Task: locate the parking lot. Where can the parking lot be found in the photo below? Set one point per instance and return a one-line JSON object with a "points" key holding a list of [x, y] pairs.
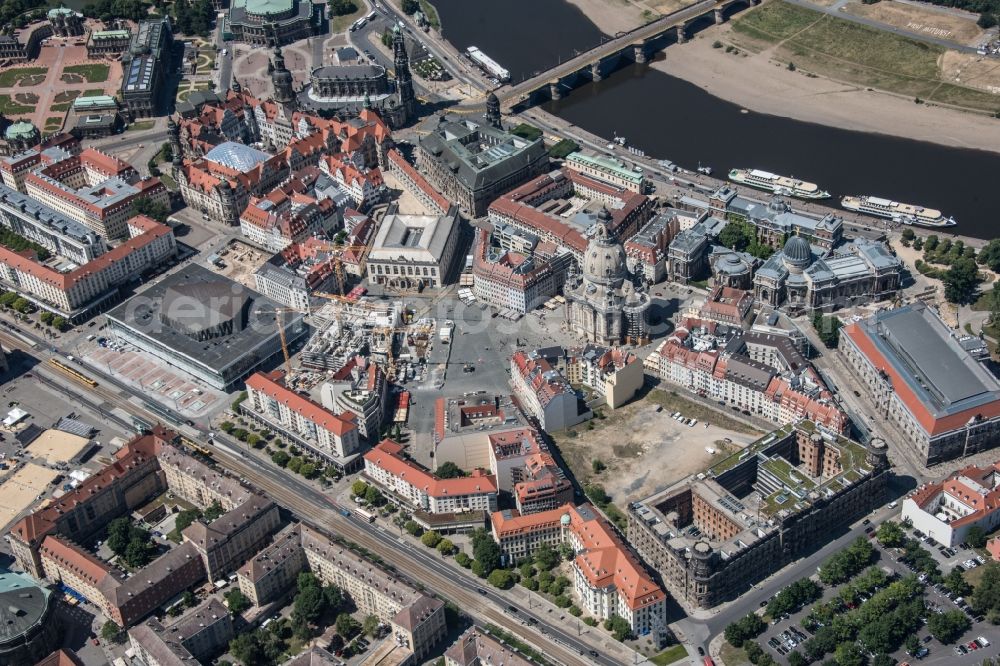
{"points": [[979, 642]]}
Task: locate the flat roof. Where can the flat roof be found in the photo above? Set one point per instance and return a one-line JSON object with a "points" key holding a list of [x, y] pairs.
{"points": [[254, 325]]}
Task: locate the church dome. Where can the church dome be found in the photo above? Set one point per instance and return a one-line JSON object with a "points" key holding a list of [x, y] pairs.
{"points": [[797, 251], [604, 261]]}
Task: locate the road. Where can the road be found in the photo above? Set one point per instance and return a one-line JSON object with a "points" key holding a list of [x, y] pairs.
{"points": [[315, 509]]}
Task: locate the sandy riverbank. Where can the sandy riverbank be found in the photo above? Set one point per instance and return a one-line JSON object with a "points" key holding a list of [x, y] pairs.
{"points": [[756, 83], [610, 16]]}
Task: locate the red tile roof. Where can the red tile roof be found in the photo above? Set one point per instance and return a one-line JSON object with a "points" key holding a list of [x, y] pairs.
{"points": [[387, 455], [270, 385]]}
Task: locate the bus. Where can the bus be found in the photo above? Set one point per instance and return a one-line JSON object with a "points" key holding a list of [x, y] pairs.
{"points": [[366, 515], [71, 373], [360, 23]]}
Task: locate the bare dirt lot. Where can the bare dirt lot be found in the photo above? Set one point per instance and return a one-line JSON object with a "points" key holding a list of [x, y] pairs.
{"points": [[19, 491], [969, 69], [949, 26], [653, 451], [242, 261]]}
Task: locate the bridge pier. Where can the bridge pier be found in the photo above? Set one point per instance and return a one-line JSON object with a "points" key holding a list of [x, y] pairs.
{"points": [[720, 16], [640, 53], [554, 91], [681, 34], [595, 71]]}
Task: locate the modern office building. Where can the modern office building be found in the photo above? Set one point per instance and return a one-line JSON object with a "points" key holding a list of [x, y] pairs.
{"points": [[413, 250], [360, 389], [920, 377], [146, 64], [332, 437], [473, 162], [755, 511], [208, 326], [407, 483]]}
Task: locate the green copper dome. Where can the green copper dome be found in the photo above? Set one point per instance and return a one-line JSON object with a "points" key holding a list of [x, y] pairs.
{"points": [[20, 130]]}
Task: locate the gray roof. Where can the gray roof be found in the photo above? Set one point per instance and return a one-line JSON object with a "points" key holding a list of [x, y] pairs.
{"points": [[52, 219], [348, 72], [23, 604], [425, 235], [142, 315], [237, 156], [925, 353], [479, 154], [215, 534]]}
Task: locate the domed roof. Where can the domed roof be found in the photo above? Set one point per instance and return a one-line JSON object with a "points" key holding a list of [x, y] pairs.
{"points": [[797, 251], [565, 519], [604, 261]]}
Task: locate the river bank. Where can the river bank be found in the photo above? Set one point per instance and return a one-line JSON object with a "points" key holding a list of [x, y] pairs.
{"points": [[758, 84], [610, 16]]}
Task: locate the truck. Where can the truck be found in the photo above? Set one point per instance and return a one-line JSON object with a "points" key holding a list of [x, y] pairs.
{"points": [[365, 515]]}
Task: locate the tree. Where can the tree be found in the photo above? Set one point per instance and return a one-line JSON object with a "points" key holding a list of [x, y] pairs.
{"points": [[370, 625], [334, 597], [346, 625], [257, 648], [413, 528], [342, 7], [253, 439], [430, 539], [189, 599], [598, 465], [890, 534], [738, 235], [746, 628], [449, 470], [119, 535], [8, 298], [146, 206], [619, 627], [485, 550], [59, 323], [139, 552], [796, 659], [986, 597], [976, 537], [111, 632], [596, 493], [22, 305], [46, 318], [500, 578], [308, 470], [956, 583], [280, 458], [374, 497], [295, 464], [237, 601], [214, 511], [185, 518], [849, 654], [309, 604], [446, 547], [828, 329], [908, 234], [948, 626], [961, 281], [359, 488], [463, 559], [409, 7], [546, 557], [912, 644], [989, 256]]}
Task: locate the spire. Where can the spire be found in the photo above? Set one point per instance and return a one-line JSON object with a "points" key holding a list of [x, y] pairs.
{"points": [[404, 83], [367, 106], [237, 88], [281, 79]]}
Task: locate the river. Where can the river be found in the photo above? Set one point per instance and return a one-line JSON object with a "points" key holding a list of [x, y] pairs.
{"points": [[672, 119]]}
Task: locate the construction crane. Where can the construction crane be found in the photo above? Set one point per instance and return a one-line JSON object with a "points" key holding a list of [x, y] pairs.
{"points": [[280, 318], [338, 265]]}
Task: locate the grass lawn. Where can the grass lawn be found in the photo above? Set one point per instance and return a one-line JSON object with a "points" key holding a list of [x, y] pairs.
{"points": [[775, 22], [973, 576], [93, 92], [59, 108], [674, 402], [733, 656], [431, 13], [847, 51], [341, 23], [8, 105], [12, 76], [93, 72], [52, 124], [168, 181], [670, 655], [141, 125]]}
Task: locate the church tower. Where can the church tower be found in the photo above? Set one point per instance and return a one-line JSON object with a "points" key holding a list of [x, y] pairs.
{"points": [[404, 82], [493, 111], [281, 79]]}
